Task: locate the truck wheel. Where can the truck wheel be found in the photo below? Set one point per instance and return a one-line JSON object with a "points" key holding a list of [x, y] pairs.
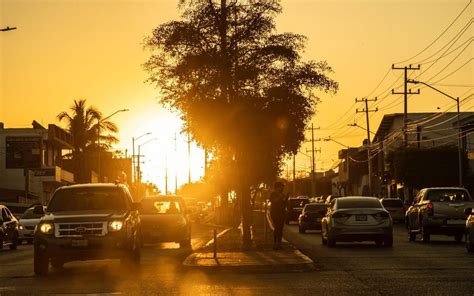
{"points": [[331, 241], [425, 235], [458, 237], [40, 264], [14, 244], [469, 243], [301, 229]]}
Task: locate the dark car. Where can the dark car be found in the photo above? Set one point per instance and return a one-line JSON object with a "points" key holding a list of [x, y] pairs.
{"points": [[311, 216], [8, 229], [164, 218], [87, 222], [294, 207]]}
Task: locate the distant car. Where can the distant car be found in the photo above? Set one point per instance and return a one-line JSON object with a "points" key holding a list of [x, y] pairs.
{"points": [[357, 218], [469, 230], [311, 217], [8, 229], [294, 207], [28, 222], [438, 210], [164, 218], [395, 207]]}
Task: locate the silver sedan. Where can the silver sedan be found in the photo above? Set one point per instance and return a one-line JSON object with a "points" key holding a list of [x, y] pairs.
{"points": [[357, 218]]}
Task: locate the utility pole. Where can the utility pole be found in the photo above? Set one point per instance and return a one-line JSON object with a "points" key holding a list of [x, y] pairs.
{"points": [[369, 160], [313, 164], [175, 171], [405, 94], [166, 175], [294, 174], [189, 158]]}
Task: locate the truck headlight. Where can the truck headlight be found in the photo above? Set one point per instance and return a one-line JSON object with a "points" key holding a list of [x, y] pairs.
{"points": [[20, 227], [46, 228], [115, 225]]}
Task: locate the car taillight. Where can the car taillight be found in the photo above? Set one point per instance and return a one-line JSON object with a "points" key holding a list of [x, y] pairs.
{"points": [[341, 216], [382, 215], [429, 206]]}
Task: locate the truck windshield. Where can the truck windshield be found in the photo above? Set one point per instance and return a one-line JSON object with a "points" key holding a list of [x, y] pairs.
{"points": [[88, 199], [448, 195]]}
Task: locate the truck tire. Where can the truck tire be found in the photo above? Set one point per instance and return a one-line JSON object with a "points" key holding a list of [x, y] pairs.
{"points": [[331, 241], [301, 229], [469, 243], [411, 234], [14, 244], [40, 264], [425, 235]]}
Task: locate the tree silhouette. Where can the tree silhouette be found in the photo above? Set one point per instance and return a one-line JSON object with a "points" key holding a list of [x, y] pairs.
{"points": [[242, 89], [84, 124]]}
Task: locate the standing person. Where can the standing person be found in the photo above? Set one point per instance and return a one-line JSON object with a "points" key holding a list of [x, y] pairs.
{"points": [[277, 213]]}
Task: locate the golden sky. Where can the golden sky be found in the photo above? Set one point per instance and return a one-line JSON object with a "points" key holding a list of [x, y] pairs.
{"points": [[71, 49]]}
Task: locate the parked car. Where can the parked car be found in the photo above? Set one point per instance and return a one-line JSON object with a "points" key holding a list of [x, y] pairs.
{"points": [[438, 210], [28, 222], [311, 217], [294, 207], [164, 219], [357, 218], [395, 207], [87, 222], [8, 229], [17, 209], [469, 230], [330, 198]]}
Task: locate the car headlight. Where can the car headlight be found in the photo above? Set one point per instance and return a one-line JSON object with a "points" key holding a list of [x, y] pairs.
{"points": [[46, 228], [115, 225], [20, 227]]}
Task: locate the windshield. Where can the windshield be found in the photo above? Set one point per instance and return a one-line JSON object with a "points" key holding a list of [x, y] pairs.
{"points": [[358, 203], [392, 203], [88, 199], [29, 214], [154, 207], [315, 207], [448, 195]]}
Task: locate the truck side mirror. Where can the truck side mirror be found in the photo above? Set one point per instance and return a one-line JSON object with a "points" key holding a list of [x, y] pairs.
{"points": [[468, 211]]}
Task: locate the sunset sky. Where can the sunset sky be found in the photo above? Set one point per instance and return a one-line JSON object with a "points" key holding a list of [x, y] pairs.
{"points": [[92, 49]]}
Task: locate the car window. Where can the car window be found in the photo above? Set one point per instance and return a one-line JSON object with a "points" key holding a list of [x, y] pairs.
{"points": [[447, 195], [315, 207], [88, 199], [151, 207], [392, 203], [358, 203], [29, 214]]}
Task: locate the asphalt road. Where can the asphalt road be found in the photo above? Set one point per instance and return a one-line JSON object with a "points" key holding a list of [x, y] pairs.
{"points": [[442, 267]]}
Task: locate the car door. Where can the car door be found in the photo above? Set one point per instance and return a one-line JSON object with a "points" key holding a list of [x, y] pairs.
{"points": [[414, 211]]}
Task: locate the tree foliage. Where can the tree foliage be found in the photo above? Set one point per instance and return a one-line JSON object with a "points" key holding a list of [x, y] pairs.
{"points": [[242, 88], [86, 125]]}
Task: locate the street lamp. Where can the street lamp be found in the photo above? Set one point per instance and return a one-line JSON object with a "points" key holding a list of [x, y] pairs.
{"points": [[133, 154], [139, 174], [459, 124], [98, 138]]}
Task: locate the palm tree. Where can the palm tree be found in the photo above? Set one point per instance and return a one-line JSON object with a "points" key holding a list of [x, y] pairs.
{"points": [[85, 124]]}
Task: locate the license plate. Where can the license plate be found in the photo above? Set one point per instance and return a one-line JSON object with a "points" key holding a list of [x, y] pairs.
{"points": [[79, 243], [455, 222], [361, 217]]}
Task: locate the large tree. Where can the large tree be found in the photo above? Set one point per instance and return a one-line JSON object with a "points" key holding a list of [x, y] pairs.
{"points": [[86, 124], [243, 90]]}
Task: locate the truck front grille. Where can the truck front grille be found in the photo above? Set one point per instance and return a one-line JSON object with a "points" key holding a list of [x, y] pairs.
{"points": [[79, 229]]}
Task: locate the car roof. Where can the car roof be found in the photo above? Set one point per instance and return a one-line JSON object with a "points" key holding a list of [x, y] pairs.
{"points": [[93, 185], [162, 197], [390, 199], [445, 188], [357, 197]]}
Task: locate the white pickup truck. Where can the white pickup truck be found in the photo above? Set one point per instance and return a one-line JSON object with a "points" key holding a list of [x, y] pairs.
{"points": [[438, 210]]}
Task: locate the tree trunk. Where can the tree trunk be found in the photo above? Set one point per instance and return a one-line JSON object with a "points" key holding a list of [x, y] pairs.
{"points": [[246, 215]]}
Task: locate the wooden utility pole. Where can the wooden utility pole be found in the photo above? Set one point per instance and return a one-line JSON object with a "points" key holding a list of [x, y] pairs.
{"points": [[313, 161], [405, 94], [369, 159]]}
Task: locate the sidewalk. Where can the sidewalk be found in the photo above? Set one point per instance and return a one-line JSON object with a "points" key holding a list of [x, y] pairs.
{"points": [[261, 257]]}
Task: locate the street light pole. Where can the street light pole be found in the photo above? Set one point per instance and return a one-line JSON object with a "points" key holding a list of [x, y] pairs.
{"points": [[139, 173], [98, 139], [459, 125], [134, 170]]}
